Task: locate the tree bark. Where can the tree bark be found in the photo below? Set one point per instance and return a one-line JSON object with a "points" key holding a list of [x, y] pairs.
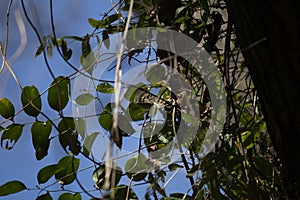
{"points": [[268, 32]]}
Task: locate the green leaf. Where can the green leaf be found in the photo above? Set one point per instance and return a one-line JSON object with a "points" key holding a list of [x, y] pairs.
{"points": [[105, 88], [11, 187], [50, 50], [39, 50], [136, 168], [40, 132], [103, 23], [204, 5], [44, 197], [80, 126], [67, 53], [88, 62], [180, 9], [85, 46], [106, 120], [182, 19], [7, 109], [160, 189], [124, 125], [11, 135], [84, 99], [41, 47], [68, 174], [105, 38], [88, 143], [97, 23], [99, 176], [174, 166], [69, 196], [47, 172], [263, 166], [155, 74], [59, 93], [137, 112], [98, 40], [112, 18], [68, 135], [131, 91], [120, 193], [31, 101], [59, 41]]}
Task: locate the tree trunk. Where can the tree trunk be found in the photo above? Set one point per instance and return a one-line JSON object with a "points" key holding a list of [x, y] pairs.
{"points": [[268, 32]]}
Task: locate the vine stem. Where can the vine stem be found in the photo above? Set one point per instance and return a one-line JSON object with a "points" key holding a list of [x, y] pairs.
{"points": [[117, 88]]}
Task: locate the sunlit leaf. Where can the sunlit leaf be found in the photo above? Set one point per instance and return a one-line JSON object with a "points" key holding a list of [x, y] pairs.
{"points": [[105, 88], [50, 50], [11, 187], [40, 132], [97, 23], [7, 109], [84, 99], [68, 174], [59, 93], [180, 9], [30, 98], [182, 19], [11, 135], [59, 41]]}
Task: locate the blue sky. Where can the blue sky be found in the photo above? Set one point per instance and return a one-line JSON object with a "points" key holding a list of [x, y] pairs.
{"points": [[70, 19]]}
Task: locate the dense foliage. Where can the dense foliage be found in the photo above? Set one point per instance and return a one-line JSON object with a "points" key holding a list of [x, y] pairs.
{"points": [[243, 164]]}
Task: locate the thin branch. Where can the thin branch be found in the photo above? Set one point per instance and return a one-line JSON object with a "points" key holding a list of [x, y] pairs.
{"points": [[39, 38], [6, 35]]}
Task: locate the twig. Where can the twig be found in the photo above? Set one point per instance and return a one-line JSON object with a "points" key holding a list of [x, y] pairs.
{"points": [[6, 35]]}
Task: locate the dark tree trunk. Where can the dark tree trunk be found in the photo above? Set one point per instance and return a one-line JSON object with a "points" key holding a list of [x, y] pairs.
{"points": [[269, 35]]}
